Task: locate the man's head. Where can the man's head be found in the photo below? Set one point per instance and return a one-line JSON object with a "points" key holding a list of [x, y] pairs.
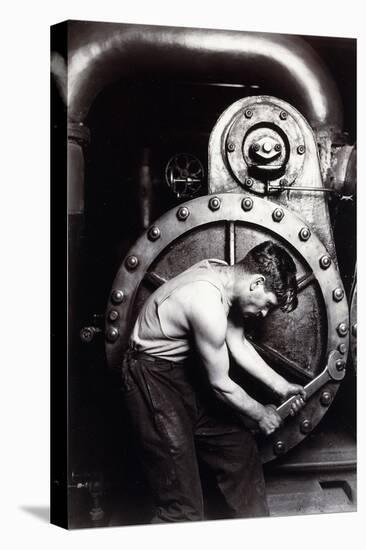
{"points": [[265, 278]]}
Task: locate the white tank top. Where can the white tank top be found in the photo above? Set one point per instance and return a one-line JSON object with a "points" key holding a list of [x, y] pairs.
{"points": [[148, 336]]}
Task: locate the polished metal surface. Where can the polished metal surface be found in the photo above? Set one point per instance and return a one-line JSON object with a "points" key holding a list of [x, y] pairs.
{"points": [[100, 54], [291, 177]]}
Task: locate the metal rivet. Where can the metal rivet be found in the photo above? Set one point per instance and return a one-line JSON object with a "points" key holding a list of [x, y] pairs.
{"points": [[267, 147], [340, 365], [338, 294], [354, 329], [183, 213], [249, 182], [247, 204], [306, 426], [342, 329], [304, 233], [117, 296], [279, 448], [283, 182], [326, 398], [278, 147], [87, 334], [113, 315], [231, 146], [248, 113], [325, 262], [342, 348], [112, 334], [278, 214], [283, 115], [256, 147], [132, 262], [154, 233], [214, 203], [301, 149]]}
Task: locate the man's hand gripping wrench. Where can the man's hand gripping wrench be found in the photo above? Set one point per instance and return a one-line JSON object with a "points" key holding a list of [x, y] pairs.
{"points": [[334, 370]]}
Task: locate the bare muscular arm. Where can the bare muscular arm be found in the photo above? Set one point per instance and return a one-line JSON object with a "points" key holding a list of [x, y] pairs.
{"points": [[209, 325], [247, 357]]}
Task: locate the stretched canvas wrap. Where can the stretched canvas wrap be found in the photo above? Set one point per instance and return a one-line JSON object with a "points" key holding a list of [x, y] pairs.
{"points": [[171, 146]]}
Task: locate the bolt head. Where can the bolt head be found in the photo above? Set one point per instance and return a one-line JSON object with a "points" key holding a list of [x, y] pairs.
{"points": [[340, 365], [113, 315], [117, 296], [214, 203], [248, 113], [256, 147], [86, 335], [325, 262], [132, 262], [267, 147], [278, 214], [342, 348], [304, 233], [326, 398], [283, 115], [301, 149], [283, 182], [183, 213], [342, 329], [154, 233], [231, 146], [338, 294], [306, 426], [277, 147], [247, 204], [112, 334], [279, 448], [249, 182]]}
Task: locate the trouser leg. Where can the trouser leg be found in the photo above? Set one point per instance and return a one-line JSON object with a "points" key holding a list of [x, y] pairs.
{"points": [[161, 412], [232, 459]]}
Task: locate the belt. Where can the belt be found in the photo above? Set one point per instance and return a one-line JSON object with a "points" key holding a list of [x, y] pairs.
{"points": [[135, 354]]}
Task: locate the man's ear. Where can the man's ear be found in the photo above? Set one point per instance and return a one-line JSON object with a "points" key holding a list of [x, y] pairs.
{"points": [[257, 281]]}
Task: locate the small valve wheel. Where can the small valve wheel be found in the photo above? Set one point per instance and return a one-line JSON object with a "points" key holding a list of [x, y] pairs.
{"points": [[184, 175]]}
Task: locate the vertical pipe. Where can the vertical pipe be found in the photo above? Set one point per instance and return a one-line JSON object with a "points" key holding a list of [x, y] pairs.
{"points": [[145, 188]]}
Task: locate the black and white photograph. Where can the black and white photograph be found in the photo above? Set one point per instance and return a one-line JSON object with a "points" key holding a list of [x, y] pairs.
{"points": [[182, 240], [212, 281]]}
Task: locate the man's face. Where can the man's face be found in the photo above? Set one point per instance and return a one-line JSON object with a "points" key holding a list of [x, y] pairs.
{"points": [[255, 301]]}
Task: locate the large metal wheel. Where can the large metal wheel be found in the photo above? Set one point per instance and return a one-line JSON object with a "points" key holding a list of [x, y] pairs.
{"points": [[226, 226]]}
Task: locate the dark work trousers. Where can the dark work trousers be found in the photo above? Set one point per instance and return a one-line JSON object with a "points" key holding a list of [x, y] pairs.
{"points": [[178, 423]]}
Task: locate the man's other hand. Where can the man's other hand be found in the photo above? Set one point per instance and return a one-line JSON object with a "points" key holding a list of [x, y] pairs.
{"points": [[270, 420]]}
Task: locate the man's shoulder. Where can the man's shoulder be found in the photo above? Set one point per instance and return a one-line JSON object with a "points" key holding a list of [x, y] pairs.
{"points": [[199, 291]]}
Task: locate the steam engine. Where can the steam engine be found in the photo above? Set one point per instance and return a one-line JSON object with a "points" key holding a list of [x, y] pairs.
{"points": [[185, 144]]}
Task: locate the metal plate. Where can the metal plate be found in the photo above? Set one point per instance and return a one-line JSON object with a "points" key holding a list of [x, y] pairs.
{"points": [[278, 121], [194, 231]]}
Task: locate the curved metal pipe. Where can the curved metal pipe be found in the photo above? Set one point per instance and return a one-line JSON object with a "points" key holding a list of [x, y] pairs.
{"points": [[102, 53]]}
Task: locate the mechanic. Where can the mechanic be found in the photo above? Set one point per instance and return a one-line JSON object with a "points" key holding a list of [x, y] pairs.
{"points": [[187, 413]]}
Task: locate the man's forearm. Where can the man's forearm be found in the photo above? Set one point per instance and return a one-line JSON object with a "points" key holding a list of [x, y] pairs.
{"points": [[234, 396], [247, 358]]}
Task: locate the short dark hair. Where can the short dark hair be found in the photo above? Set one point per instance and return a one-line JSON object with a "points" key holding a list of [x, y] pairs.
{"points": [[276, 265]]}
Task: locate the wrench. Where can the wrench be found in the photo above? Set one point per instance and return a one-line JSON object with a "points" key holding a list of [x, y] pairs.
{"points": [[334, 370]]}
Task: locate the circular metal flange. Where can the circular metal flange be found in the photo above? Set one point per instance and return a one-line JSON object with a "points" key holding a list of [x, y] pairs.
{"points": [[265, 127], [259, 216], [353, 325]]}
